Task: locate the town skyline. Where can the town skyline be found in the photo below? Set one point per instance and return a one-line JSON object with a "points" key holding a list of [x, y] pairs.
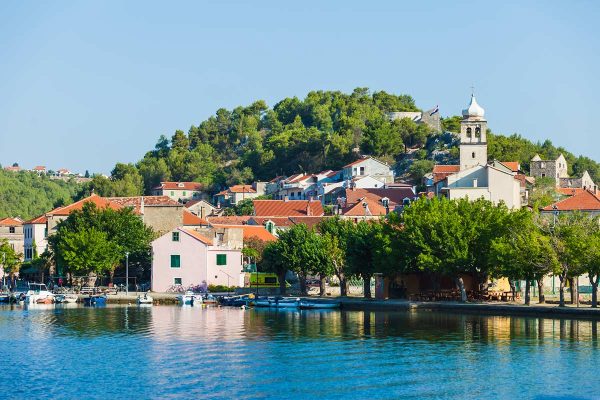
{"points": [[75, 82]]}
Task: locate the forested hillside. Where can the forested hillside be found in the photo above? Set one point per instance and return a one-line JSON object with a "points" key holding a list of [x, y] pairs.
{"points": [[325, 130], [27, 195]]}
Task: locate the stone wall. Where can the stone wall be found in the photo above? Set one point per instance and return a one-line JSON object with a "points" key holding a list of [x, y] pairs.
{"points": [[163, 218]]}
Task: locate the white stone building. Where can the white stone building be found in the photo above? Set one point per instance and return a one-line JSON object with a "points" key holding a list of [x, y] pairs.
{"points": [[475, 178], [368, 166], [35, 234]]}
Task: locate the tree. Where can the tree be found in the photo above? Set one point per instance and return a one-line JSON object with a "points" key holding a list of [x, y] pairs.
{"points": [[362, 252], [273, 261], [336, 232], [419, 168], [88, 250], [10, 259], [123, 229]]}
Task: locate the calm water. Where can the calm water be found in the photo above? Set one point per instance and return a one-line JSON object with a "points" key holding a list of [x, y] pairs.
{"points": [[176, 352]]}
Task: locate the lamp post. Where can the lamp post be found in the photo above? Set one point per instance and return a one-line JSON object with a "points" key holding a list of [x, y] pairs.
{"points": [[127, 273]]}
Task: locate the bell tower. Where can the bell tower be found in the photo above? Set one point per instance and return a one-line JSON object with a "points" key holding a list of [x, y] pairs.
{"points": [[473, 137]]}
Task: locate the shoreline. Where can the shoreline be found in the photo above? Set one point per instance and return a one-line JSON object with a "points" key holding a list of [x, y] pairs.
{"points": [[362, 304]]}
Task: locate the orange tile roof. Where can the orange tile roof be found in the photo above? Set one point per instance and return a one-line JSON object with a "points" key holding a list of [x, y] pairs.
{"points": [[100, 202], [289, 221], [9, 221], [39, 168], [229, 220], [569, 191], [176, 186], [374, 208], [582, 201], [197, 235], [42, 219], [287, 208], [395, 195], [252, 231], [512, 165], [190, 219], [13, 169], [241, 189], [440, 172]]}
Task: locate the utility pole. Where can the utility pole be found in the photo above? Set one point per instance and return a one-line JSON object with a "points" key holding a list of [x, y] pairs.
{"points": [[127, 273]]}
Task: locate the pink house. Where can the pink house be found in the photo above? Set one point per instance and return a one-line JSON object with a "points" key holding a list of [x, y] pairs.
{"points": [[186, 257]]}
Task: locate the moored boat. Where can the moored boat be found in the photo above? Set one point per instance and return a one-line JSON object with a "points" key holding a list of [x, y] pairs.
{"points": [[95, 300], [36, 292], [189, 298], [65, 298], [316, 305], [145, 299], [277, 302]]}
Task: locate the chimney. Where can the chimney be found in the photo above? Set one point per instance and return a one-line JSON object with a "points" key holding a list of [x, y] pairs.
{"points": [[475, 182], [285, 198], [308, 209]]}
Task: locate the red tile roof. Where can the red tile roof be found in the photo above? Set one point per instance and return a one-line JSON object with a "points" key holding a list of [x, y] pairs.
{"points": [[190, 219], [149, 201], [100, 202], [569, 191], [252, 231], [288, 208], [440, 172], [373, 208], [289, 221], [395, 195], [229, 220], [241, 189], [39, 168], [196, 235], [13, 169], [9, 221], [42, 219], [179, 186], [583, 201]]}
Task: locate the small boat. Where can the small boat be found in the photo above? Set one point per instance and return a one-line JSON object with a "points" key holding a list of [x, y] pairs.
{"points": [[145, 299], [315, 305], [4, 298], [189, 298], [65, 298], [94, 300], [277, 302], [38, 291]]}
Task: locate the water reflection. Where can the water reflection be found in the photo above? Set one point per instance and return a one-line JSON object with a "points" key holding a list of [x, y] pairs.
{"points": [[187, 352]]}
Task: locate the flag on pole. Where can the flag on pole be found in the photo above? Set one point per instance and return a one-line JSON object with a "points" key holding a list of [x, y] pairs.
{"points": [[435, 111]]}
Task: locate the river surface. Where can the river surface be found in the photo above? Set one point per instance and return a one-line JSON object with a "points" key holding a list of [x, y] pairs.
{"points": [[129, 352]]}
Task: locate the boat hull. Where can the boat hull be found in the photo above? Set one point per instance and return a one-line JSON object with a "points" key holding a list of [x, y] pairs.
{"points": [[318, 306], [94, 301]]}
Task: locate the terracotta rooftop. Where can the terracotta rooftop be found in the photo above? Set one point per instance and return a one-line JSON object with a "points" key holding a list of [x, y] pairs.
{"points": [[39, 168], [10, 221], [289, 221], [241, 189], [288, 208], [358, 209], [179, 186], [569, 191], [440, 172], [100, 202], [196, 235], [190, 219], [229, 220], [42, 219], [149, 201], [512, 165], [13, 169], [252, 231], [583, 201], [395, 195]]}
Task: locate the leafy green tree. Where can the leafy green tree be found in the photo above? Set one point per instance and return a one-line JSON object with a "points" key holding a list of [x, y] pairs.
{"points": [[10, 259], [272, 261], [336, 232], [362, 254], [418, 169], [88, 250]]}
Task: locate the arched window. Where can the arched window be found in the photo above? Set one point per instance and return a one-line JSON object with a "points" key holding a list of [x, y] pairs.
{"points": [[473, 154], [469, 132], [477, 132]]}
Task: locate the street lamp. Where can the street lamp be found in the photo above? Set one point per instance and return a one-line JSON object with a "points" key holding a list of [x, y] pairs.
{"points": [[127, 273]]}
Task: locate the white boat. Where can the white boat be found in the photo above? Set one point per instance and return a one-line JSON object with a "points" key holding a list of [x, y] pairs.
{"points": [[65, 298], [145, 299], [315, 305], [38, 293], [190, 298], [277, 302]]}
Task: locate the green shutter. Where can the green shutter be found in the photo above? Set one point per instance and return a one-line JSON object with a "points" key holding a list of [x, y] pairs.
{"points": [[176, 236], [175, 261], [221, 259]]}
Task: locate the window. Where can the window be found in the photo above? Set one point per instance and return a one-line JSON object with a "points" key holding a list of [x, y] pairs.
{"points": [[473, 155], [11, 229], [270, 226], [176, 281], [543, 175], [299, 194], [175, 236], [469, 132], [477, 132], [184, 192], [220, 237], [175, 261], [362, 170], [172, 193], [221, 259]]}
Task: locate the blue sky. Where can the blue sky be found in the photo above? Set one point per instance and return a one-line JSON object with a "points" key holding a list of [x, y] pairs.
{"points": [[86, 84]]}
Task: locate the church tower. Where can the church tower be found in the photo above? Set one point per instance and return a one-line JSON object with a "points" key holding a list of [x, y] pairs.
{"points": [[473, 137]]}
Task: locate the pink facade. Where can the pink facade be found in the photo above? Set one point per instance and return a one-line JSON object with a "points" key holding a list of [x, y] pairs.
{"points": [[192, 260]]}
